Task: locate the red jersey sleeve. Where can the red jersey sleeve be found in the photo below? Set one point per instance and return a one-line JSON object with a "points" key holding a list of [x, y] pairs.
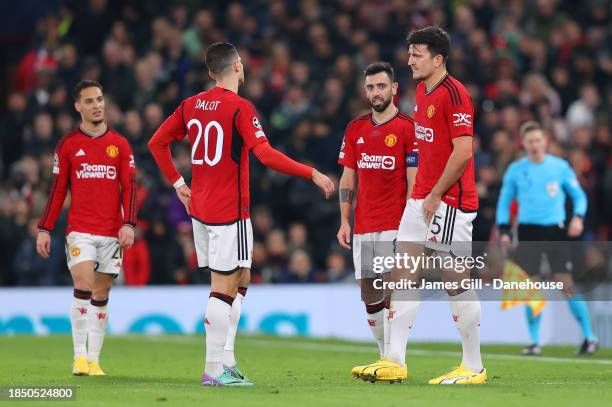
{"points": [[249, 126], [460, 113], [278, 161], [127, 177], [172, 129], [347, 150], [59, 187]]}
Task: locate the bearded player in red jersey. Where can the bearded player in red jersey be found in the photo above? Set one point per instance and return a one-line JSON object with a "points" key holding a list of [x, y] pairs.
{"points": [[439, 214], [222, 128], [380, 158], [98, 165]]}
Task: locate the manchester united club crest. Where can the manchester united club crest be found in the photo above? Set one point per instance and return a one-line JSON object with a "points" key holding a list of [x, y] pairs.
{"points": [[430, 111], [112, 151], [390, 140], [75, 252]]}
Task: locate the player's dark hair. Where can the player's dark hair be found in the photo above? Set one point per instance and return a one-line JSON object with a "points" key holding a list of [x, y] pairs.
{"points": [[437, 40], [219, 56], [84, 84], [378, 67], [529, 127]]}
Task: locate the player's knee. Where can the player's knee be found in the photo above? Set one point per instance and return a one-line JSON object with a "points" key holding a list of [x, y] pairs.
{"points": [[84, 287], [369, 293], [82, 284], [101, 293]]}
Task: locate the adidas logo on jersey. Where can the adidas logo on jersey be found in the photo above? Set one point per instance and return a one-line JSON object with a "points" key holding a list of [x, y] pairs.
{"points": [[360, 141], [80, 153]]}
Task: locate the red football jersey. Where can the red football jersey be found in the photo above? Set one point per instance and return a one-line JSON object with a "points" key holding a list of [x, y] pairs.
{"points": [[380, 153], [222, 128], [440, 115], [101, 174]]}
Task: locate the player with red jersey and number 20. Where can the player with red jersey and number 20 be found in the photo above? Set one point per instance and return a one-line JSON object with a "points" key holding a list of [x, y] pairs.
{"points": [[438, 217], [222, 128], [97, 164], [380, 158]]}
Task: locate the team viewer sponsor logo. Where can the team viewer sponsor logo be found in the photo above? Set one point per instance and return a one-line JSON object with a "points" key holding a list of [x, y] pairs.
{"points": [[88, 171], [462, 119], [376, 162], [424, 133]]}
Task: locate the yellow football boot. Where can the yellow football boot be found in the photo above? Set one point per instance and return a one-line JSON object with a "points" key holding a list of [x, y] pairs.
{"points": [[385, 371], [95, 369], [80, 366], [461, 375], [357, 370]]}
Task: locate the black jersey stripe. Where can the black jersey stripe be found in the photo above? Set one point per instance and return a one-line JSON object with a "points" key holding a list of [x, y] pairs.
{"points": [[239, 240], [445, 227], [451, 93], [454, 86]]}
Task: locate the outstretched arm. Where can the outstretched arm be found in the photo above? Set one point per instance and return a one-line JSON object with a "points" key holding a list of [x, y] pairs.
{"points": [[278, 161]]}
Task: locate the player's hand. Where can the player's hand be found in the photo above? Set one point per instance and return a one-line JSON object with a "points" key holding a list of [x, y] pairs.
{"points": [[344, 235], [126, 236], [184, 194], [504, 242], [430, 205], [576, 227], [323, 182], [43, 243]]}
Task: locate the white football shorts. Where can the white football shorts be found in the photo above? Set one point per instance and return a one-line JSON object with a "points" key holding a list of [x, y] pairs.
{"points": [[104, 251], [449, 230], [368, 246], [224, 248]]}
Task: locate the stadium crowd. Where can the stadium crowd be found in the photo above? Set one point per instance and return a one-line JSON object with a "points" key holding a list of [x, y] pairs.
{"points": [[547, 60]]}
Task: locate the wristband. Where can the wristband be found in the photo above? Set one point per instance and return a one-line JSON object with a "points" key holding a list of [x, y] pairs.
{"points": [[179, 183]]}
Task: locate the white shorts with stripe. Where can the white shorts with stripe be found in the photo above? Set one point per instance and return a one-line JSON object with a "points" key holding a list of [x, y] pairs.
{"points": [[449, 230], [223, 248], [376, 244], [104, 251]]}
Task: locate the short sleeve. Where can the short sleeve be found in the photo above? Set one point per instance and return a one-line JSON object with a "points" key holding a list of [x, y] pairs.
{"points": [[460, 112], [347, 151], [249, 126]]}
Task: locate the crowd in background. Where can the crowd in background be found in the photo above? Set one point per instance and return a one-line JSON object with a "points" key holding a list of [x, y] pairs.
{"points": [[547, 60]]}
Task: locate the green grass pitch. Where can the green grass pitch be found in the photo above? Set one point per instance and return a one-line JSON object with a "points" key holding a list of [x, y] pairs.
{"points": [[165, 371]]}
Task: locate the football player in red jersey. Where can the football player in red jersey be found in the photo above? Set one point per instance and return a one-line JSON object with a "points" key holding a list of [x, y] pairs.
{"points": [[443, 204], [98, 165], [222, 128], [380, 158]]}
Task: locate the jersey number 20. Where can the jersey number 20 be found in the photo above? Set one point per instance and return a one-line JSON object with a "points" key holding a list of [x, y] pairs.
{"points": [[218, 149]]}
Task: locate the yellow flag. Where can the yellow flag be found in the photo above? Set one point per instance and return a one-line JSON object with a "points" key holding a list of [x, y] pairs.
{"points": [[511, 298]]}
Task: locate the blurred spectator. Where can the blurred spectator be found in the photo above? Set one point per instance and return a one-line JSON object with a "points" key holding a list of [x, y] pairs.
{"points": [[581, 113], [299, 269], [337, 271], [546, 60]]}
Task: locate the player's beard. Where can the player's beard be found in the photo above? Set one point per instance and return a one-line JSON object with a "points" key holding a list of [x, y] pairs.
{"points": [[383, 106]]}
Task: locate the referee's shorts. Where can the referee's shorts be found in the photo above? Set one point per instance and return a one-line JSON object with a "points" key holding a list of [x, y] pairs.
{"points": [[536, 240]]}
